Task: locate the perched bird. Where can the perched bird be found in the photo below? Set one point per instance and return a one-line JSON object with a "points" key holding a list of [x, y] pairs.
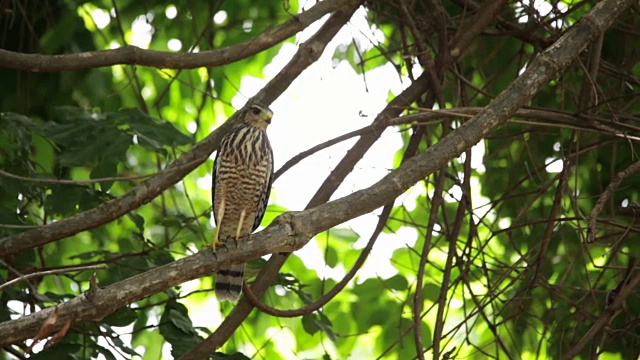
{"points": [[242, 178]]}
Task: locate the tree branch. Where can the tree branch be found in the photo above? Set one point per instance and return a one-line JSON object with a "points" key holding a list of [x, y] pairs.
{"points": [[605, 196], [51, 272], [604, 319], [133, 55], [105, 301], [474, 26], [324, 299]]}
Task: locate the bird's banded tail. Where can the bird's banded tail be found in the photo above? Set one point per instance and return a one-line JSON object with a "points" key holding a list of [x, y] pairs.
{"points": [[229, 282]]}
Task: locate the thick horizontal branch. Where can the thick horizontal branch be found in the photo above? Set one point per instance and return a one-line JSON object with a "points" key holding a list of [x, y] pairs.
{"points": [[104, 301], [132, 55], [146, 191]]}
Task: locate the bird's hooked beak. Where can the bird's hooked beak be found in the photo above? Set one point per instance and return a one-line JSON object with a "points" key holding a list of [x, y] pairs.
{"points": [[267, 117]]}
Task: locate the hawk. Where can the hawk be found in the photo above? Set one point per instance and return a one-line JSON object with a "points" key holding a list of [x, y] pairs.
{"points": [[242, 177]]}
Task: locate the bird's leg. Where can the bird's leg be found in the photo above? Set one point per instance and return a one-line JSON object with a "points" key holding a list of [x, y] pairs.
{"points": [[239, 228], [216, 239]]}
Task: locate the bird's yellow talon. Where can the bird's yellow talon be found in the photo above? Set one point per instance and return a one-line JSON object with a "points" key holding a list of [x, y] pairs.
{"points": [[213, 245]]}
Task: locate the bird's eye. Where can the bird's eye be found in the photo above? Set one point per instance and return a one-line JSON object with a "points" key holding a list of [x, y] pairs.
{"points": [[255, 110]]}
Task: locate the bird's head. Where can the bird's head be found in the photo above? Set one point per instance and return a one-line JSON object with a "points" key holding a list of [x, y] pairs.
{"points": [[258, 116]]}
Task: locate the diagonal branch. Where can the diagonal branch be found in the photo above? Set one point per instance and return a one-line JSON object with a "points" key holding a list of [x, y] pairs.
{"points": [[605, 318], [474, 26], [605, 196], [133, 55], [324, 299], [396, 106]]}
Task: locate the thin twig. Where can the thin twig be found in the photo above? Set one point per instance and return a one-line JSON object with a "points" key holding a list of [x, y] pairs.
{"points": [[605, 196], [133, 55], [324, 299], [72, 182], [51, 272]]}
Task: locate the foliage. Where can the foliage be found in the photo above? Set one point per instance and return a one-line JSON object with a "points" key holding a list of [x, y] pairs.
{"points": [[501, 230]]}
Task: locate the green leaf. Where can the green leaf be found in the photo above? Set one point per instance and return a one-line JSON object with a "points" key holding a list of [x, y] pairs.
{"points": [[181, 321], [399, 217], [634, 246], [368, 290], [126, 349], [431, 292], [159, 257], [137, 220], [151, 132], [149, 339], [64, 199], [124, 268], [324, 324], [85, 137], [114, 148], [253, 267], [234, 356], [372, 59], [110, 144], [346, 235], [68, 134], [42, 154], [177, 329], [72, 115], [331, 257], [91, 198], [272, 212], [58, 37], [104, 352], [396, 282], [312, 323], [104, 170], [60, 351], [122, 317], [309, 324], [405, 260]]}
